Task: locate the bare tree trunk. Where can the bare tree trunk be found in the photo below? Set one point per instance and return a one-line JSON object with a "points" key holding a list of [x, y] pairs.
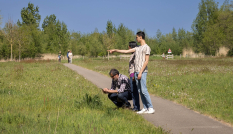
{"points": [[108, 55]]}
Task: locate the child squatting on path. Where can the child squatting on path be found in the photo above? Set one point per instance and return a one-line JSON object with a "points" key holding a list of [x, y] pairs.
{"points": [[142, 54]]}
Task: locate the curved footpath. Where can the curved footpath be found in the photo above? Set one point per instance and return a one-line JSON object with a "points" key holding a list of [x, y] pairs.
{"points": [[170, 116]]}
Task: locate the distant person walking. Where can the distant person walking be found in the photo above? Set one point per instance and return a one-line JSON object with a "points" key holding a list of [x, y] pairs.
{"points": [[163, 55], [142, 55], [134, 90], [59, 56], [70, 56]]}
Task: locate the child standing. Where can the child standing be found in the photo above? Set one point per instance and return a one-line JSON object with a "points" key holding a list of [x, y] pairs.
{"points": [[59, 56], [134, 91]]}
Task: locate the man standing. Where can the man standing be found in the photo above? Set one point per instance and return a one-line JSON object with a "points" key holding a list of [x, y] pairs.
{"points": [[120, 96], [142, 54]]}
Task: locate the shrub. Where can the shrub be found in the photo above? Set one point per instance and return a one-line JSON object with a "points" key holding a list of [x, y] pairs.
{"points": [[89, 101]]}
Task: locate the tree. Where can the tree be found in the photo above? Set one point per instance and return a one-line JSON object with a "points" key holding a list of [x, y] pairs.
{"points": [[108, 42], [212, 39], [82, 49], [109, 39], [159, 41], [152, 42], [110, 29], [226, 6], [218, 30], [74, 40], [170, 43], [9, 32], [56, 35], [30, 20], [96, 48], [51, 32], [158, 35], [219, 34], [121, 36], [174, 34], [30, 15], [200, 23], [207, 16], [49, 21], [21, 39]]}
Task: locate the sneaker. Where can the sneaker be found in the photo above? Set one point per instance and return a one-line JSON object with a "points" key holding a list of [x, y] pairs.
{"points": [[150, 111], [142, 111], [135, 110]]}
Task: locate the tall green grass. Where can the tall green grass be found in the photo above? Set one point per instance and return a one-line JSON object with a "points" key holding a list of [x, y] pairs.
{"points": [[204, 85], [47, 97]]}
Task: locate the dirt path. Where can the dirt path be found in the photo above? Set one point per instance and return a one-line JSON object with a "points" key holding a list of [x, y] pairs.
{"points": [[168, 115]]}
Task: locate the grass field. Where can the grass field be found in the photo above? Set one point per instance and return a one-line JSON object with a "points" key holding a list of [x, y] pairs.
{"points": [[204, 85], [47, 97]]}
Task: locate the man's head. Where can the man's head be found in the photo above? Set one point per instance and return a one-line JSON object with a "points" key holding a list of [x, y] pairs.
{"points": [[114, 74], [132, 44], [140, 36]]}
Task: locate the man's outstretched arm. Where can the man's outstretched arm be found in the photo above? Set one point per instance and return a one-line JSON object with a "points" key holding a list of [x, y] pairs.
{"points": [[122, 51]]}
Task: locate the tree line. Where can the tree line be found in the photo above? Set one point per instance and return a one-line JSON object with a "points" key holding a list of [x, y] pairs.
{"points": [[211, 29], [25, 39]]}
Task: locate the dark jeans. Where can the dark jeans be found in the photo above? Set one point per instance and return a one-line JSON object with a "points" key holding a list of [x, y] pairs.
{"points": [[123, 97], [135, 95], [68, 60]]}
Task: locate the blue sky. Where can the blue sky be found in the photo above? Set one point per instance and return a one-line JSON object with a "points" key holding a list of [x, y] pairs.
{"points": [[87, 15]]}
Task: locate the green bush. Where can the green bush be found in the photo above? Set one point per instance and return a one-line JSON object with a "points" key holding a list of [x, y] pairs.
{"points": [[89, 101]]}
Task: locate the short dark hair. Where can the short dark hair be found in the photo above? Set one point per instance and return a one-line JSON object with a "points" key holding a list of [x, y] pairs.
{"points": [[132, 44], [140, 33], [114, 72]]}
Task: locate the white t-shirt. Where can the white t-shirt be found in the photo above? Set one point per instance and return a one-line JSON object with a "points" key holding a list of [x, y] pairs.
{"points": [[70, 55], [140, 57]]}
